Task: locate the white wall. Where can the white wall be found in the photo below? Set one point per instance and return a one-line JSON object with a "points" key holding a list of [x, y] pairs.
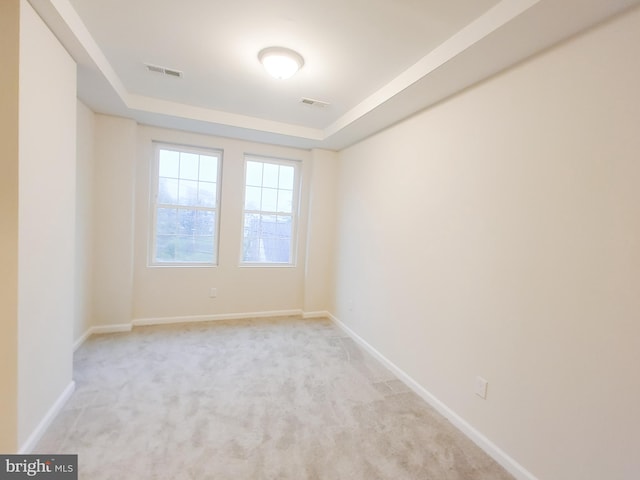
{"points": [[47, 195], [84, 221], [319, 272], [161, 292], [498, 234], [9, 161], [125, 288], [113, 189]]}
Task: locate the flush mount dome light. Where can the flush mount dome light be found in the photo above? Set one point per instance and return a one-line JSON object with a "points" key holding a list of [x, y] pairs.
{"points": [[280, 62]]}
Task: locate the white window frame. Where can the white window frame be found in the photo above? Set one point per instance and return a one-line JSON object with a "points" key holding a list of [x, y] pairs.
{"points": [[155, 181], [297, 185]]}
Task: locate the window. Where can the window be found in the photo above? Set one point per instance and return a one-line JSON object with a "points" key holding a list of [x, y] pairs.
{"points": [[270, 206], [187, 196]]}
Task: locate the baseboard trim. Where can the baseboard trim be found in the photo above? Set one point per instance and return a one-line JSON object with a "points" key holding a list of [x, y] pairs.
{"points": [[318, 314], [138, 322], [509, 464], [122, 327], [28, 446], [119, 328], [83, 338]]}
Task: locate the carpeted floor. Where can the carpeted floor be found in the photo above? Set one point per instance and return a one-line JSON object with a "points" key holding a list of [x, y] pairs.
{"points": [[253, 399]]}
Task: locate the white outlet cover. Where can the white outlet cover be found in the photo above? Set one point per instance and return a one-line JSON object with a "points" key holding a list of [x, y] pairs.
{"points": [[481, 387]]}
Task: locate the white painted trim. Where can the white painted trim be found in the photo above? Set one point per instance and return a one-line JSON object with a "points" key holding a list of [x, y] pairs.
{"points": [[83, 338], [28, 446], [500, 456], [472, 34], [190, 112], [214, 317], [138, 322], [121, 327], [318, 314], [77, 28]]}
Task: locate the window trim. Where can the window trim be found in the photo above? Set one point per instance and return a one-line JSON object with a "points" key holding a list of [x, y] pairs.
{"points": [[153, 201], [295, 211]]}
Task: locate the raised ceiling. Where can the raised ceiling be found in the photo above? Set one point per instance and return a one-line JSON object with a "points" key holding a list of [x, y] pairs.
{"points": [[374, 62]]}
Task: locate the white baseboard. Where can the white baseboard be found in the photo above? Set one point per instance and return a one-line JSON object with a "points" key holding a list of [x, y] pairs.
{"points": [[215, 317], [78, 343], [509, 464], [28, 446], [119, 328], [139, 322], [318, 314]]}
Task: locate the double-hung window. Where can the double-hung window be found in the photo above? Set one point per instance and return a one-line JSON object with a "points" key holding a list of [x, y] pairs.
{"points": [[270, 211], [187, 197]]}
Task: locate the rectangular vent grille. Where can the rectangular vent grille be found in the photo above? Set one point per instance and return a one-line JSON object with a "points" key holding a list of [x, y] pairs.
{"points": [[164, 71], [314, 103]]}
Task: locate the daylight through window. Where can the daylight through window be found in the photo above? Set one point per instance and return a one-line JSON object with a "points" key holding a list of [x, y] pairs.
{"points": [[270, 206], [186, 205]]}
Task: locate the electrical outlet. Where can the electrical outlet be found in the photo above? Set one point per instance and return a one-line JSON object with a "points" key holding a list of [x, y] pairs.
{"points": [[481, 387], [213, 292]]}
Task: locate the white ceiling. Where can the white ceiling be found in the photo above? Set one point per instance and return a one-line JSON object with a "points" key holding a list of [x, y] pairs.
{"points": [[374, 61]]}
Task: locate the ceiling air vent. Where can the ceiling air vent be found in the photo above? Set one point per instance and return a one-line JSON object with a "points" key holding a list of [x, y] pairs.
{"points": [[172, 73], [314, 103], [163, 70]]}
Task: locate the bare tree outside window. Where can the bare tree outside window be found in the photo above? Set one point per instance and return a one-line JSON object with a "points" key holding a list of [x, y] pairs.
{"points": [[186, 205], [270, 205]]}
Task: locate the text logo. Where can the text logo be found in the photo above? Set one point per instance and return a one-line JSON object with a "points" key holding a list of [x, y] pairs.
{"points": [[51, 467]]}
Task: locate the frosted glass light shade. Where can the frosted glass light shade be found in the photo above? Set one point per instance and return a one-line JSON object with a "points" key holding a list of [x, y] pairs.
{"points": [[280, 63]]}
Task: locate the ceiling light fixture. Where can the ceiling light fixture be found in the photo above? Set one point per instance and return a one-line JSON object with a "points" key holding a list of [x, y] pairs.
{"points": [[280, 62]]}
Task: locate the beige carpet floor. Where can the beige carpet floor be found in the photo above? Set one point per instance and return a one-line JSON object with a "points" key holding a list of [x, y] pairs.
{"points": [[254, 399]]}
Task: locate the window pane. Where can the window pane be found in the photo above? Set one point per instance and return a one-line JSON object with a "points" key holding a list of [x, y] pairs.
{"points": [[202, 250], [205, 224], [207, 194], [269, 199], [188, 192], [268, 237], [167, 190], [254, 174], [270, 177], [286, 177], [189, 166], [251, 238], [284, 234], [185, 205], [165, 248], [186, 222], [284, 226], [167, 221], [275, 240], [269, 208], [169, 163], [285, 201], [252, 198], [208, 168], [184, 248]]}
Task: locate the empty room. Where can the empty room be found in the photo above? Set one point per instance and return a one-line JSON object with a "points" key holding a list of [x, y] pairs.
{"points": [[339, 240]]}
